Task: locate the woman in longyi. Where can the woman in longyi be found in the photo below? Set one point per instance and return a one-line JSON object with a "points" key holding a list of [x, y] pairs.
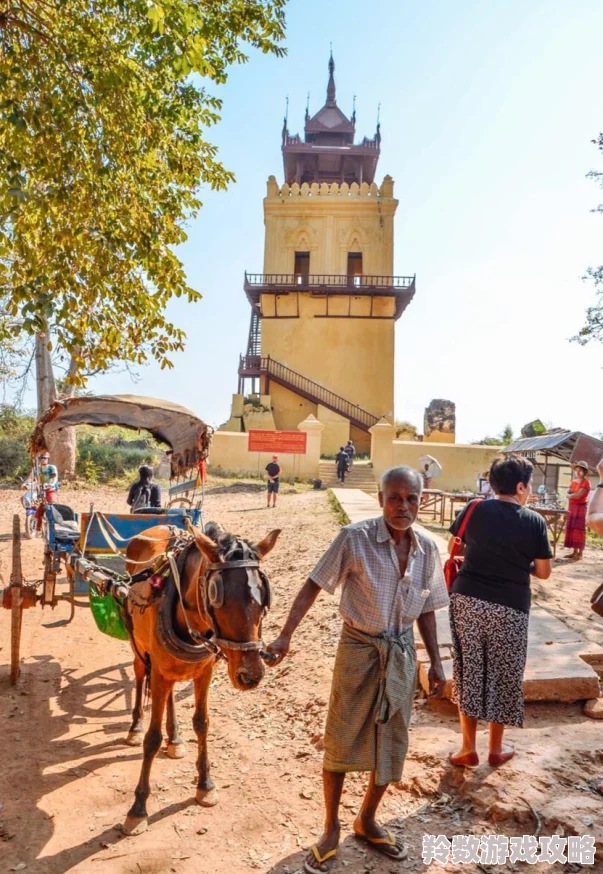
{"points": [[577, 496]]}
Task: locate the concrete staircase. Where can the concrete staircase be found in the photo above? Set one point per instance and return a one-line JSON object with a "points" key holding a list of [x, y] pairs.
{"points": [[361, 476]]}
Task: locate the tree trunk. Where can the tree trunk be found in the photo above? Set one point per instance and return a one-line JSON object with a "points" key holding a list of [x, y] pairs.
{"points": [[45, 384], [62, 443]]}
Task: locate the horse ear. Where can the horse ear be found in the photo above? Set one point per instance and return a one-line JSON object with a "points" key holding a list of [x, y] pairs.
{"points": [[267, 544], [208, 547]]}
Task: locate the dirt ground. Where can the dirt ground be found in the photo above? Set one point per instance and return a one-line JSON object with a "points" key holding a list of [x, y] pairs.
{"points": [[67, 779]]}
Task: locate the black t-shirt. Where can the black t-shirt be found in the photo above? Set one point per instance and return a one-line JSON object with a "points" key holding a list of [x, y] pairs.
{"points": [[342, 459], [502, 540], [272, 469]]}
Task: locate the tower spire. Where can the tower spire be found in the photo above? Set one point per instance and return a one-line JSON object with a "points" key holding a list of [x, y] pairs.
{"points": [[331, 85]]}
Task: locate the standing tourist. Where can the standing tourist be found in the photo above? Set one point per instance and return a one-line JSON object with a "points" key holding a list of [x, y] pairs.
{"points": [[273, 472], [350, 450], [144, 492], [577, 496], [489, 609], [342, 460], [390, 577]]}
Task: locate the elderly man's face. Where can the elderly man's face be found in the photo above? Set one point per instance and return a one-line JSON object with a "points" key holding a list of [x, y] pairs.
{"points": [[400, 499]]}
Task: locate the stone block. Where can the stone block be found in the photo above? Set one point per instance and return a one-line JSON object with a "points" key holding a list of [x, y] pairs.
{"points": [[558, 675]]}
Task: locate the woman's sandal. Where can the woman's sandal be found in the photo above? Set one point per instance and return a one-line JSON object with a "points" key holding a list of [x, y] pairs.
{"points": [[320, 867], [386, 845], [466, 760]]}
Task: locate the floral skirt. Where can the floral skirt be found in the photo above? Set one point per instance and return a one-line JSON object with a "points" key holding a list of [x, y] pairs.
{"points": [[489, 650]]}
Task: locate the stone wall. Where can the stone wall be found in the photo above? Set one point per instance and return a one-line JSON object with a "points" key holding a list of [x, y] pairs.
{"points": [[228, 452], [462, 465]]}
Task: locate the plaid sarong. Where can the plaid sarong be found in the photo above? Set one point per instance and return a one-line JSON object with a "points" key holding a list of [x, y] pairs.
{"points": [[371, 703]]}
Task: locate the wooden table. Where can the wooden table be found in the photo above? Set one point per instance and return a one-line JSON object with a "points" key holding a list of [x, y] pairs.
{"points": [[431, 502], [555, 521], [454, 498]]}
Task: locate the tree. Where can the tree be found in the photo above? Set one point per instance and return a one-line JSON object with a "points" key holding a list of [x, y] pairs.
{"points": [[503, 439], [593, 327], [103, 110], [405, 428]]}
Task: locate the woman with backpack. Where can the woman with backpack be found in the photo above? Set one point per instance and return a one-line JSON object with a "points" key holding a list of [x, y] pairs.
{"points": [[144, 492]]}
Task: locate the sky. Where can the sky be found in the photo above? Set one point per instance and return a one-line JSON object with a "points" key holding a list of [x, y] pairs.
{"points": [[488, 111]]}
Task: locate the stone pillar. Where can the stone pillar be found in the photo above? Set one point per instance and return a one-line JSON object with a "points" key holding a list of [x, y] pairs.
{"points": [[309, 463], [439, 425], [382, 446]]}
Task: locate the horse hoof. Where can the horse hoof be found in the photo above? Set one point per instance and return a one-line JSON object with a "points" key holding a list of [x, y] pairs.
{"points": [[135, 738], [176, 751], [207, 797], [134, 825]]}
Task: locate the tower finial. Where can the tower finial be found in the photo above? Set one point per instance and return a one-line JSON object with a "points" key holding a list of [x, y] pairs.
{"points": [[308, 107], [286, 109], [331, 85], [354, 111]]}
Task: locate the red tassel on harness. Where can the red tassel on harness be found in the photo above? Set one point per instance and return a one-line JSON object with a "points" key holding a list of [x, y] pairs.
{"points": [[202, 471], [157, 581]]}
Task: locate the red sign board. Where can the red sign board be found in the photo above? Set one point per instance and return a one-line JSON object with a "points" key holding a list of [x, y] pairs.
{"points": [[287, 442]]}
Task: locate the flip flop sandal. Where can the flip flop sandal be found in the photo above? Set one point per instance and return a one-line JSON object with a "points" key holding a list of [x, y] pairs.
{"points": [[382, 845], [320, 860]]}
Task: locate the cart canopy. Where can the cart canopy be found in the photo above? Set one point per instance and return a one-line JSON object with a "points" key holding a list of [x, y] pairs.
{"points": [[187, 437]]}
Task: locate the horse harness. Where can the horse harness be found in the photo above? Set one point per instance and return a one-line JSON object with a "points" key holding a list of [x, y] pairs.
{"points": [[212, 590], [210, 597]]}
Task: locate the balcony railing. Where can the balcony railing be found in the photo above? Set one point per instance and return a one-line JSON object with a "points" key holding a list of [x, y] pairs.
{"points": [[275, 282]]}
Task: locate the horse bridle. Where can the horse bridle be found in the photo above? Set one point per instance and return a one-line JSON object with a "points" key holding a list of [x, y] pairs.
{"points": [[212, 590]]}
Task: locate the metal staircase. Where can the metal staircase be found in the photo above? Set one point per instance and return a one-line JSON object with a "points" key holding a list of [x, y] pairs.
{"points": [[254, 366]]}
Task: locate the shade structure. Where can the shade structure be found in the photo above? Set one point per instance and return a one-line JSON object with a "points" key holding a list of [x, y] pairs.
{"points": [[569, 446]]}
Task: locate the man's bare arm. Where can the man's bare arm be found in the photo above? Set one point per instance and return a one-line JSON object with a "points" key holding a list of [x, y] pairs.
{"points": [[304, 600], [426, 624]]}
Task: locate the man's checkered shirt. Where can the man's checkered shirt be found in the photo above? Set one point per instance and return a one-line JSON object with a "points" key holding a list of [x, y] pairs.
{"points": [[374, 599]]}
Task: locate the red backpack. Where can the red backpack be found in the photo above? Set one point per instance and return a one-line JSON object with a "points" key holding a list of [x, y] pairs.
{"points": [[454, 563]]}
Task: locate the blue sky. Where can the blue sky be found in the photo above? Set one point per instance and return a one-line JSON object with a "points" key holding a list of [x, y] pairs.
{"points": [[487, 113]]}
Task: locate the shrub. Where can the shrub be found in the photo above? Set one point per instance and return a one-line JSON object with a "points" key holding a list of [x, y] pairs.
{"points": [[14, 459], [100, 462]]}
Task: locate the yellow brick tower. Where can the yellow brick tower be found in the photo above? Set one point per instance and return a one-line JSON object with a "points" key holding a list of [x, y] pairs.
{"points": [[321, 338]]}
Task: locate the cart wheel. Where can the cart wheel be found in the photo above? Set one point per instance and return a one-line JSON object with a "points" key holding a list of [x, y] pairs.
{"points": [[16, 581], [180, 504], [71, 596]]}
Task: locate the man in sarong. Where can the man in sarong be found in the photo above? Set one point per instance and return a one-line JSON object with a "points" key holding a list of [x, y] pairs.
{"points": [[390, 577]]}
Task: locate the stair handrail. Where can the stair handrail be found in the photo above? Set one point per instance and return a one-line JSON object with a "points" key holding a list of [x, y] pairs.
{"points": [[347, 408]]}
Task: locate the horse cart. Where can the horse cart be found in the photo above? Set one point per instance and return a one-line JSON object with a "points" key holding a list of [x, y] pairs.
{"points": [[90, 547]]}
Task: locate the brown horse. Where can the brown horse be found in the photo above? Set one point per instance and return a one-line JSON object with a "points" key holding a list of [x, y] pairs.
{"points": [[219, 613]]}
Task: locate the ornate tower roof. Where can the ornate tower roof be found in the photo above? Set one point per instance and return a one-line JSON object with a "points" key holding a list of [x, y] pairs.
{"points": [[327, 152]]}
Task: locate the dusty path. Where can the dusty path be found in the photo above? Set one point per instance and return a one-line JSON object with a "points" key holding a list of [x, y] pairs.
{"points": [[66, 778]]}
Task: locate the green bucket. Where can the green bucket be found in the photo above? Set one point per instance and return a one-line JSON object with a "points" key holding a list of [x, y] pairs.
{"points": [[107, 614]]}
